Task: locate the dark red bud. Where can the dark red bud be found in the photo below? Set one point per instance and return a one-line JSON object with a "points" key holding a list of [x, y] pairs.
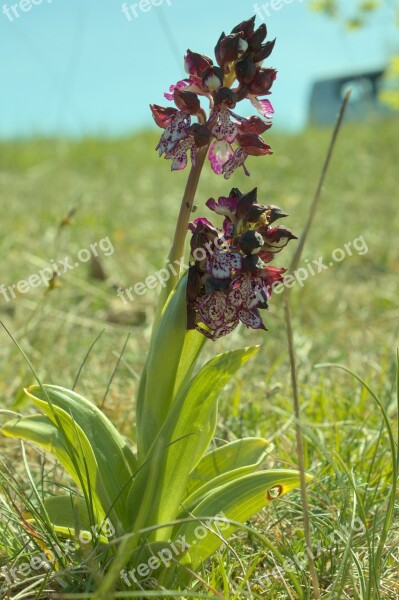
{"points": [[187, 101], [163, 116], [231, 48], [277, 238], [253, 144], [275, 213], [250, 242], [195, 64], [264, 52], [245, 202], [246, 27], [255, 213], [217, 48], [212, 78], [245, 70], [255, 43], [262, 81], [254, 125], [227, 96]]}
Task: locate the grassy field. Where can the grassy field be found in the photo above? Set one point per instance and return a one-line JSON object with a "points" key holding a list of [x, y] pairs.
{"points": [[347, 314]]}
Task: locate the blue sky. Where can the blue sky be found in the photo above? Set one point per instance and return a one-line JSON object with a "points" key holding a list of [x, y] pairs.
{"points": [[80, 67]]}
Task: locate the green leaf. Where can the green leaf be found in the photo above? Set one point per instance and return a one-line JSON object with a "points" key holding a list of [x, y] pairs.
{"points": [[158, 379], [71, 448], [68, 513], [237, 501], [222, 465], [183, 439], [113, 457], [193, 344], [40, 430]]}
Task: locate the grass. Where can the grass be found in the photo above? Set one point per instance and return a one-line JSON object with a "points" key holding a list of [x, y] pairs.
{"points": [[347, 314]]}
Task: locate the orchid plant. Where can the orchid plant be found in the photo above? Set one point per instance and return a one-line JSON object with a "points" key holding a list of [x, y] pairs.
{"points": [[175, 478]]}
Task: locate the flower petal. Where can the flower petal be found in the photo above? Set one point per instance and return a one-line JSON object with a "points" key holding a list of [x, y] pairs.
{"points": [[180, 85], [237, 160], [223, 265], [263, 107], [251, 319], [219, 154], [226, 207], [176, 131], [179, 154], [224, 128]]}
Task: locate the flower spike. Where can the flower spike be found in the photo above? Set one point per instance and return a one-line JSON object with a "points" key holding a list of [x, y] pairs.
{"points": [[236, 75]]}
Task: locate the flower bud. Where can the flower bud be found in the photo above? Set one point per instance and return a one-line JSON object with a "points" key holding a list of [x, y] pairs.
{"points": [[217, 48], [255, 213], [212, 78], [231, 48], [245, 70], [275, 213], [277, 238], [253, 144], [254, 125], [195, 64], [245, 202], [250, 242], [262, 81], [225, 95], [255, 43], [245, 27], [163, 116], [187, 101], [264, 52]]}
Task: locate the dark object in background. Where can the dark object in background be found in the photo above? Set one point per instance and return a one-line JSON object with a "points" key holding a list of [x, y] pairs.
{"points": [[326, 97]]}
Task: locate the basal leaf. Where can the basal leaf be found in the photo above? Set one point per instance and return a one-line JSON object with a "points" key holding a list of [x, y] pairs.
{"points": [[238, 501], [184, 438]]}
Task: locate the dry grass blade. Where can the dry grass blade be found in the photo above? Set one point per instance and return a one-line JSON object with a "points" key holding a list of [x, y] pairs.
{"points": [[294, 379]]}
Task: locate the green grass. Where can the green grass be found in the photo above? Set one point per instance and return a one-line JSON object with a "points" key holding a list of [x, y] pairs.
{"points": [[347, 314]]}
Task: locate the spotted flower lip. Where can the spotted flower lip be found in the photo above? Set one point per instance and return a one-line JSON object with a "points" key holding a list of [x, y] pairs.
{"points": [[238, 74], [230, 280]]}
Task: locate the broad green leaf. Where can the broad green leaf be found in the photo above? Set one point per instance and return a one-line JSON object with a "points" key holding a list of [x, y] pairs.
{"points": [[71, 448], [184, 437], [228, 463], [234, 455], [69, 517], [40, 430], [237, 501], [193, 344], [113, 457], [157, 382]]}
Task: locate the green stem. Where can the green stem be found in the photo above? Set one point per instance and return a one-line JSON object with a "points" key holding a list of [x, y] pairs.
{"points": [[176, 252]]}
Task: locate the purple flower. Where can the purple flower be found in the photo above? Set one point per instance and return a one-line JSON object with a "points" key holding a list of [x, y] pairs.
{"points": [[237, 75], [230, 280]]}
